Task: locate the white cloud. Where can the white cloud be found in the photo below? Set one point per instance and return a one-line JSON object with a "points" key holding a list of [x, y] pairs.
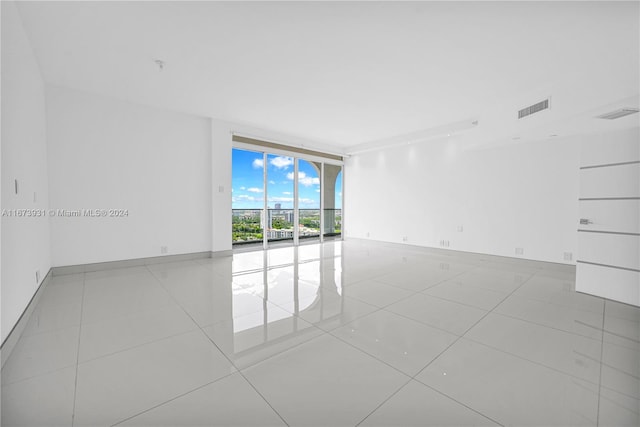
{"points": [[254, 190], [281, 199], [243, 188], [272, 182], [308, 201], [258, 163], [307, 181], [304, 179], [244, 197], [281, 162], [286, 193]]}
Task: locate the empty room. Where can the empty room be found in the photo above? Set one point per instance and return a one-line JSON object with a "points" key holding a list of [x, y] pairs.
{"points": [[321, 213]]}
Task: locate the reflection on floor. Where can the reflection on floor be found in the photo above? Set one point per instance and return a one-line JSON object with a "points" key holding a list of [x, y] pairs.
{"points": [[333, 334]]}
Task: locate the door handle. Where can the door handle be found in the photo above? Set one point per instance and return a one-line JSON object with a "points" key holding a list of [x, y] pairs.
{"points": [[585, 221]]}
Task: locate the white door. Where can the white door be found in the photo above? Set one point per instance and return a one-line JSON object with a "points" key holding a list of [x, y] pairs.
{"points": [[608, 262]]}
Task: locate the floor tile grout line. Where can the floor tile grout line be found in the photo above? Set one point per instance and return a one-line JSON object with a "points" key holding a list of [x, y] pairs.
{"points": [[458, 339], [543, 325], [472, 326], [222, 352], [52, 371], [621, 393], [542, 365], [404, 373], [458, 402], [414, 376], [75, 386], [173, 398], [138, 346], [604, 315], [383, 402]]}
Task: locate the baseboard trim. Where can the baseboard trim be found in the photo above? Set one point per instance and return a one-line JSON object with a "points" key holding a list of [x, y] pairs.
{"points": [[568, 267], [136, 262], [220, 254], [10, 341]]}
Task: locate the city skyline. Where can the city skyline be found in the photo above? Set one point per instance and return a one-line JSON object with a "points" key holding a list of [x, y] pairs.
{"points": [[248, 188]]}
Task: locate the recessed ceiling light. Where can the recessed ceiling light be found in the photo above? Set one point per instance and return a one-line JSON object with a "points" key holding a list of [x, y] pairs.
{"points": [[515, 137], [552, 135], [622, 112]]}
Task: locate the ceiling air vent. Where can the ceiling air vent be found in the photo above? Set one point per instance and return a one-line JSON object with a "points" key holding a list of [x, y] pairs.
{"points": [[612, 115], [535, 108]]}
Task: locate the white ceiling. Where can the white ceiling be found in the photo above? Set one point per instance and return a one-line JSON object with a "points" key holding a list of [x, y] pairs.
{"points": [[352, 74]]}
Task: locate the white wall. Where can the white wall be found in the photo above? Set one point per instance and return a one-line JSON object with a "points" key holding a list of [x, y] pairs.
{"points": [[522, 196], [108, 154], [221, 185], [25, 241]]}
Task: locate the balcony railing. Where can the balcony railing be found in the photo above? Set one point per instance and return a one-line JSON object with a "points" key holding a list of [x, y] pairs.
{"points": [[249, 224]]}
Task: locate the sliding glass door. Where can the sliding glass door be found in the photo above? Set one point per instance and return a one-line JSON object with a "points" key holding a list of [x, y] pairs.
{"points": [[309, 200], [279, 199], [332, 186], [247, 198], [279, 203]]}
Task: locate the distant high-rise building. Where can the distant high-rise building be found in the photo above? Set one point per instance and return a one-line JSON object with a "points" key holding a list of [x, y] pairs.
{"points": [[278, 205]]}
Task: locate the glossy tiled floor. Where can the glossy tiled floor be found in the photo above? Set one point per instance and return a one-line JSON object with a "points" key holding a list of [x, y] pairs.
{"points": [[341, 334]]}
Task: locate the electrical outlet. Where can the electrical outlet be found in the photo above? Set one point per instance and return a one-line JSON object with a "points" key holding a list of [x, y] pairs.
{"points": [[368, 234], [220, 188], [460, 229], [164, 249], [444, 266], [405, 238], [519, 251], [568, 256]]}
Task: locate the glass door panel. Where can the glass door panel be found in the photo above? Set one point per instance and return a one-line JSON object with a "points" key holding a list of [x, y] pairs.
{"points": [[280, 190], [332, 201], [308, 201], [247, 200]]}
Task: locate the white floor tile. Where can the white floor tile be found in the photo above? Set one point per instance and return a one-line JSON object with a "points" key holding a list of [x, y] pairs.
{"points": [[230, 401], [116, 387], [454, 290], [446, 315], [41, 354], [326, 335], [570, 353], [331, 312], [105, 337], [48, 317], [324, 382], [377, 293], [125, 291], [511, 390], [252, 338], [403, 343], [560, 292], [618, 410], [418, 405], [621, 368], [45, 400], [415, 280], [577, 321]]}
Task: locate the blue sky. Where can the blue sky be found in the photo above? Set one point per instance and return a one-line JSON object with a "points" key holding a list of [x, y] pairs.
{"points": [[248, 187]]}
